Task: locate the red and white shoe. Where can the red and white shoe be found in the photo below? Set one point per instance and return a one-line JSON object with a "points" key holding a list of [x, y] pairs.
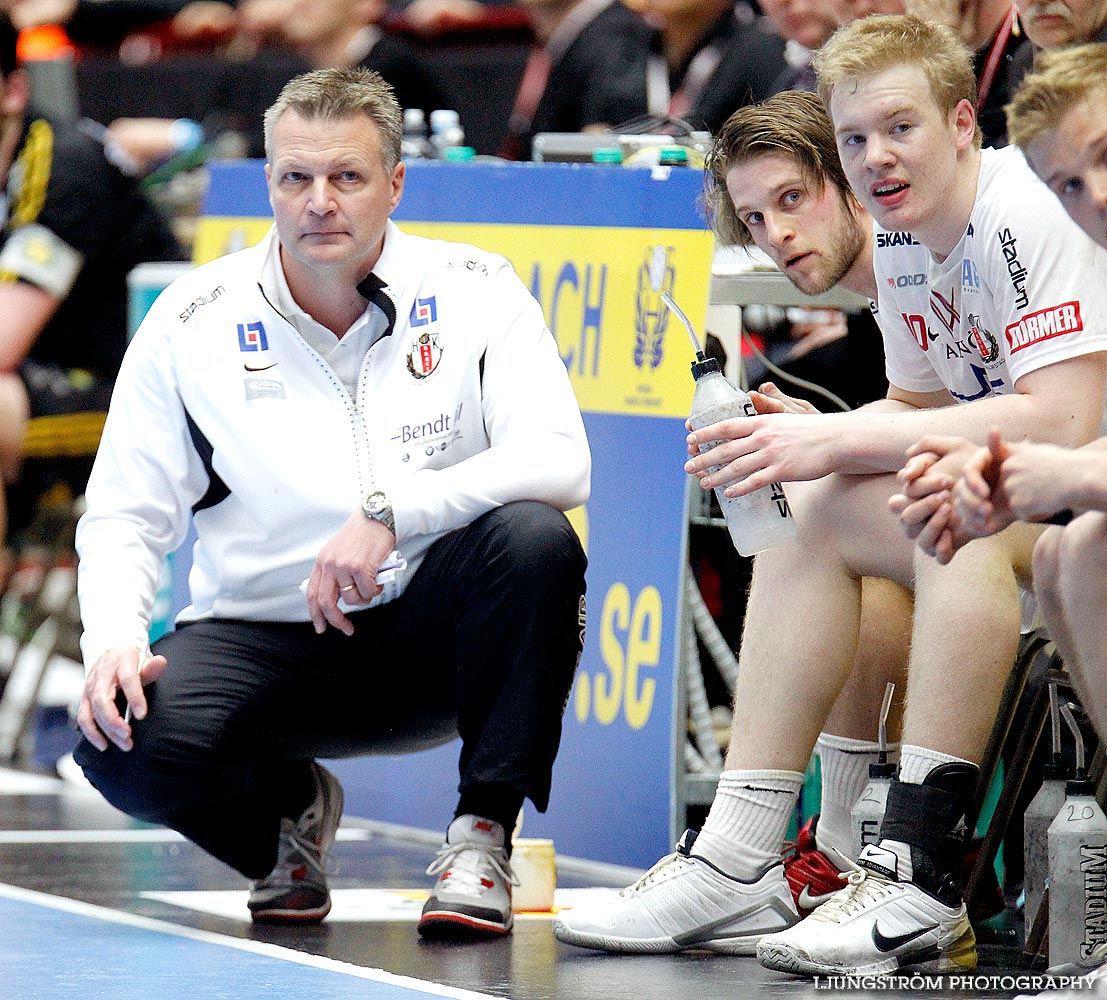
{"points": [[472, 897], [812, 876]]}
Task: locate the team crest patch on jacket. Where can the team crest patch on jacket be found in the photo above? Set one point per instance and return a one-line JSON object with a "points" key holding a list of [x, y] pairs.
{"points": [[424, 355]]}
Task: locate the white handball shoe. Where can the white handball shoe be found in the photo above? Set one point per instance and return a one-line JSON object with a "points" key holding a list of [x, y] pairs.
{"points": [[875, 925], [684, 902]]}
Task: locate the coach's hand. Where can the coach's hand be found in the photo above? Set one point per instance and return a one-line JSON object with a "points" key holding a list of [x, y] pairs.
{"points": [[116, 670]]}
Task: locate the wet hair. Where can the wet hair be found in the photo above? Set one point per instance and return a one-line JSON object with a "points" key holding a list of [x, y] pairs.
{"points": [[874, 44], [791, 123], [333, 94], [1061, 79]]}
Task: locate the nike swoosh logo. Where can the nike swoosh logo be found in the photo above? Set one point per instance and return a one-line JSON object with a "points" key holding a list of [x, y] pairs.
{"points": [[809, 902], [886, 944], [260, 368]]}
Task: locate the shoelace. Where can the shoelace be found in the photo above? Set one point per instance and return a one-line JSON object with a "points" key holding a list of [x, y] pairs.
{"points": [[658, 871], [293, 842], [467, 862], [862, 887]]}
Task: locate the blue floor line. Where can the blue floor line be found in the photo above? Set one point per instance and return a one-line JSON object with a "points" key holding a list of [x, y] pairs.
{"points": [[58, 949]]}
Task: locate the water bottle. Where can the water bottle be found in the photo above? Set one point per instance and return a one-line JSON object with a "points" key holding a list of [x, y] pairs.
{"points": [[445, 132], [868, 811], [414, 144], [763, 518], [1041, 812], [1077, 843]]}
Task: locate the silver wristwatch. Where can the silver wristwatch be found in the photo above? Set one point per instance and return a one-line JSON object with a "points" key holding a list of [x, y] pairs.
{"points": [[377, 507]]}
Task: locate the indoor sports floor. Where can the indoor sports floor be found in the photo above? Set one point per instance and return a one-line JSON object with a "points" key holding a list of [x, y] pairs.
{"points": [[95, 906]]}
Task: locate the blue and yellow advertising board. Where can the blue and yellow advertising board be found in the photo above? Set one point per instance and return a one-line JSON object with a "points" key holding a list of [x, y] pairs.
{"points": [[581, 238]]}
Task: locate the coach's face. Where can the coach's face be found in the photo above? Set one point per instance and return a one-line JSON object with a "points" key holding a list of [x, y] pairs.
{"points": [[811, 235], [1072, 160], [331, 193]]}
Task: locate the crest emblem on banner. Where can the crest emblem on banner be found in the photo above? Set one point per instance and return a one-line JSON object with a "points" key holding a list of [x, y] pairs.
{"points": [[651, 317], [424, 355]]}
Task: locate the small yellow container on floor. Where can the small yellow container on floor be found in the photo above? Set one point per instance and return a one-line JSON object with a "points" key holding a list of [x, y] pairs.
{"points": [[535, 866]]}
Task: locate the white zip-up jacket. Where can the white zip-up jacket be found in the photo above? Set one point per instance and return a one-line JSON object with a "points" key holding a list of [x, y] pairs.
{"points": [[222, 409]]}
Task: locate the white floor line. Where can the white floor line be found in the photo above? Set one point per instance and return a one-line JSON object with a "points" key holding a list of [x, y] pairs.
{"points": [[22, 783], [241, 944]]}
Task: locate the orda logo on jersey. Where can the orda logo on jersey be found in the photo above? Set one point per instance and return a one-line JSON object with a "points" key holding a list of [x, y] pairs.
{"points": [[651, 316], [907, 280]]}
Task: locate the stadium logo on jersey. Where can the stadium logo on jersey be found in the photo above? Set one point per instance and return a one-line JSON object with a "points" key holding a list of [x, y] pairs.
{"points": [[424, 355], [1015, 270], [651, 316], [907, 280], [423, 311], [984, 340], [470, 265], [251, 337], [895, 240], [1035, 327], [200, 300]]}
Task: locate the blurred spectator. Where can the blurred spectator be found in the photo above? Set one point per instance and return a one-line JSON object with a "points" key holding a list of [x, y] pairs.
{"points": [[328, 33], [586, 70], [436, 17], [988, 28], [1056, 24], [708, 58], [73, 227], [107, 23], [804, 25], [845, 11]]}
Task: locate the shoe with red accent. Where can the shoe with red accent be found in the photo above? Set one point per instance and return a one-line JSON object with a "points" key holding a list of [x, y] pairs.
{"points": [[295, 891], [472, 897], [812, 876]]}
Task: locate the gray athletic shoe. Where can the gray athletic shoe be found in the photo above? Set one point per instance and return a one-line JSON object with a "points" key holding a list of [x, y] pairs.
{"points": [[296, 891]]}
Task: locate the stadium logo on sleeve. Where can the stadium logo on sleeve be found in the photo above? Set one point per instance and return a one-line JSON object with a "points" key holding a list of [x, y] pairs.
{"points": [[1044, 324], [423, 311], [251, 337], [1017, 273]]}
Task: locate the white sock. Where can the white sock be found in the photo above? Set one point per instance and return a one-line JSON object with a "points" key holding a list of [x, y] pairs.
{"points": [[844, 764], [915, 763], [744, 831]]}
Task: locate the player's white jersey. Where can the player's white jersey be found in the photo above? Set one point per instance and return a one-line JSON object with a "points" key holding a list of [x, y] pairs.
{"points": [[1024, 288]]}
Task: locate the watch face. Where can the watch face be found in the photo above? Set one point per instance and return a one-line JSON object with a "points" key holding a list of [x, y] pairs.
{"points": [[377, 507]]}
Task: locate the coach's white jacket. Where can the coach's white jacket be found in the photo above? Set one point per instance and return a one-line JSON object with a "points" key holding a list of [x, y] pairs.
{"points": [[223, 409]]}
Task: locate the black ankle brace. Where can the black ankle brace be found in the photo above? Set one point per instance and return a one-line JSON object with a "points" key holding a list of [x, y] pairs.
{"points": [[930, 818]]}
